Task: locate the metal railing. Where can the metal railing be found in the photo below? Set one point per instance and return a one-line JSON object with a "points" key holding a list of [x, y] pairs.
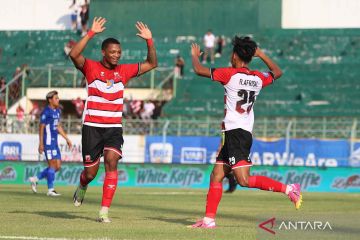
{"points": [[267, 128], [69, 77], [14, 90], [57, 76]]}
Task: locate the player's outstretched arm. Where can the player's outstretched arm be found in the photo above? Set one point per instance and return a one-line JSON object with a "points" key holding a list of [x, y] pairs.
{"points": [[63, 134], [274, 68], [151, 60], [199, 69], [75, 54]]}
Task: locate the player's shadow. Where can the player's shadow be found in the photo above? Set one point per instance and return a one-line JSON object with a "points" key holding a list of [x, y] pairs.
{"points": [[163, 210], [182, 221], [56, 214]]}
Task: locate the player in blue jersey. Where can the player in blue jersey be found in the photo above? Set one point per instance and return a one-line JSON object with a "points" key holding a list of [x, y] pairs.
{"points": [[49, 129]]}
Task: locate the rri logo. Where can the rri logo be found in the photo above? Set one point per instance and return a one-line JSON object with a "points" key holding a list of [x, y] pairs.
{"points": [[193, 155], [161, 152], [10, 151]]}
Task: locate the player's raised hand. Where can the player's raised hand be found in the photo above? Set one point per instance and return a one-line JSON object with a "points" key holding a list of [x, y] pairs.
{"points": [[195, 50], [41, 148], [258, 52], [69, 143], [144, 31], [98, 25]]}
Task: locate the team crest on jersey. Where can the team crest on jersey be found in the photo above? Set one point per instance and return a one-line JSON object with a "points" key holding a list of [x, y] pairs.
{"points": [[102, 74], [116, 75], [109, 84], [266, 74]]}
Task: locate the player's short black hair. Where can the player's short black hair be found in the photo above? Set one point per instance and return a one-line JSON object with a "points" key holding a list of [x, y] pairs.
{"points": [[50, 95], [244, 47], [108, 41]]}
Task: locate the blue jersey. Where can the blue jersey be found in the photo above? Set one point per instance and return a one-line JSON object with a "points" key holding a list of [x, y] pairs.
{"points": [[50, 117]]}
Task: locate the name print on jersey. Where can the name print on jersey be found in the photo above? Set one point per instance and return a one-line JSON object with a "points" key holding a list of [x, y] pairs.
{"points": [[246, 82]]}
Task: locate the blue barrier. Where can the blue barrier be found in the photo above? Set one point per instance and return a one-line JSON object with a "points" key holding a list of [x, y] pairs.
{"points": [[302, 152]]}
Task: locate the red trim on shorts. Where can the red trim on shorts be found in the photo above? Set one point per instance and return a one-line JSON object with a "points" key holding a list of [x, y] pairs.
{"points": [[114, 150], [92, 164], [242, 163], [222, 162]]}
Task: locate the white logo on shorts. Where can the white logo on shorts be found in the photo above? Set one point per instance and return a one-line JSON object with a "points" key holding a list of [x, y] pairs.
{"points": [[232, 160]]}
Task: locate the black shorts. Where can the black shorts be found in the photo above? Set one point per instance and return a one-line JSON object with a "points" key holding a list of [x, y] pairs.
{"points": [[97, 139], [235, 150]]}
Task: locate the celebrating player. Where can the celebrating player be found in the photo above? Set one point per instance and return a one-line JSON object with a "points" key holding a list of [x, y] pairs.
{"points": [[48, 142], [242, 86], [102, 128]]}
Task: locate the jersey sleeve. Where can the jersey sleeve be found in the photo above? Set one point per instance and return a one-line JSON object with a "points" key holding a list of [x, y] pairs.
{"points": [[267, 78], [131, 70], [88, 66], [43, 118], [221, 75]]}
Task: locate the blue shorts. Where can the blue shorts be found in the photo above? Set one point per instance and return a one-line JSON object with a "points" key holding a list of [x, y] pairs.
{"points": [[52, 152], [73, 17]]}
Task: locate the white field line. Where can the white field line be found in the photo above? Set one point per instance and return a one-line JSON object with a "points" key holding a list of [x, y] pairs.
{"points": [[47, 238]]}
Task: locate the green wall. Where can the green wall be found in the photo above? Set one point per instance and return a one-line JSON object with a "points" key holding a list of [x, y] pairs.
{"points": [[189, 17]]}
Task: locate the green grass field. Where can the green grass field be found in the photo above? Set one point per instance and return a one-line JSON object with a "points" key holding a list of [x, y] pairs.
{"points": [[144, 213]]}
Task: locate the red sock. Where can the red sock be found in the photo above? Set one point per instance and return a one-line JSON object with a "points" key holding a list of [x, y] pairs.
{"points": [[267, 184], [109, 187], [83, 180], [213, 199]]}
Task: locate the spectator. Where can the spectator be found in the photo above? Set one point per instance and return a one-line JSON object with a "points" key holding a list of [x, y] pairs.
{"points": [[135, 108], [2, 82], [68, 46], [179, 67], [2, 108], [148, 110], [79, 106], [74, 15], [126, 108], [84, 15], [158, 109], [3, 117], [35, 112], [220, 45], [2, 88], [14, 90], [20, 117], [209, 43]]}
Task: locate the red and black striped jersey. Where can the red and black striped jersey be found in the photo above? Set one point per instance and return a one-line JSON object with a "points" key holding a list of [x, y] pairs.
{"points": [[105, 87]]}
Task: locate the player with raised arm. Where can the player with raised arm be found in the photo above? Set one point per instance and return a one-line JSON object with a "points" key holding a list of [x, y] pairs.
{"points": [[102, 128], [49, 129], [241, 86]]}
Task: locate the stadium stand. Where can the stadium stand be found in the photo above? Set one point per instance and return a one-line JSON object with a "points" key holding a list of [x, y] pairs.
{"points": [[306, 88]]}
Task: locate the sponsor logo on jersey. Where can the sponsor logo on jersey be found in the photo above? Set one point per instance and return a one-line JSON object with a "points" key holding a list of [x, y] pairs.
{"points": [[109, 84], [193, 155], [87, 159], [117, 75], [266, 74]]}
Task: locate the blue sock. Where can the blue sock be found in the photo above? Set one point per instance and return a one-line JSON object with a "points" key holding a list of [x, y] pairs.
{"points": [[50, 177], [43, 173]]}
